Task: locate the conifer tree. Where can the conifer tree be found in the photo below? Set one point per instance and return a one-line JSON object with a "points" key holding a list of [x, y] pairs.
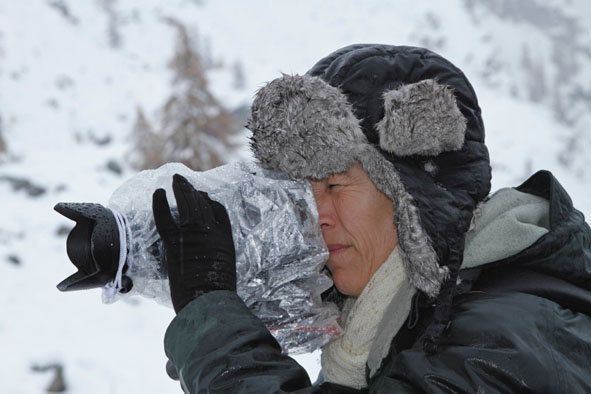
{"points": [[195, 128], [145, 152]]}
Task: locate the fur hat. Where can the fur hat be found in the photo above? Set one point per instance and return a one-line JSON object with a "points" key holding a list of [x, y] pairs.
{"points": [[412, 120]]}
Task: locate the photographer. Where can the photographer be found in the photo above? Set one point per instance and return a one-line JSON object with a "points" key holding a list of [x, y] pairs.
{"points": [[443, 288]]}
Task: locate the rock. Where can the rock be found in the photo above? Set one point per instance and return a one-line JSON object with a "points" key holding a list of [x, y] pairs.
{"points": [[24, 184], [58, 384], [99, 140], [14, 259], [63, 230], [114, 167]]}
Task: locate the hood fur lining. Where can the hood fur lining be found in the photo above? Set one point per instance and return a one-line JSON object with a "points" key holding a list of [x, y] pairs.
{"points": [[419, 257]]}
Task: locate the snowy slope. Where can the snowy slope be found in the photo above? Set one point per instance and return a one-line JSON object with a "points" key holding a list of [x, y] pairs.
{"points": [[72, 74]]}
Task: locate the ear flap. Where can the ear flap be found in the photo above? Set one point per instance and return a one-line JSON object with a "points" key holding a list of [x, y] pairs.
{"points": [[304, 127], [421, 119]]}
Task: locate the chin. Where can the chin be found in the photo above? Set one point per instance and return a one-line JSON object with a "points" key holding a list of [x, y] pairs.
{"points": [[345, 287]]}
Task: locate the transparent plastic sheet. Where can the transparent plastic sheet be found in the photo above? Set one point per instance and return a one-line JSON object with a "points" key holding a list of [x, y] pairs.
{"points": [[280, 252]]}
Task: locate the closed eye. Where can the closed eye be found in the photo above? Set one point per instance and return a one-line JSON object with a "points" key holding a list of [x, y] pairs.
{"points": [[337, 180]]}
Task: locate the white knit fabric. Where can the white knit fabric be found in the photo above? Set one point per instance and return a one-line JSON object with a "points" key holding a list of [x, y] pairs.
{"points": [[344, 359]]}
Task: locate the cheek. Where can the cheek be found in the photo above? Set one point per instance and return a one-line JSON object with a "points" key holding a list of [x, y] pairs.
{"points": [[386, 236], [370, 224], [369, 221]]}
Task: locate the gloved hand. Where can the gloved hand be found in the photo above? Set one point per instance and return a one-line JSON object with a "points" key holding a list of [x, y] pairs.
{"points": [[199, 248]]}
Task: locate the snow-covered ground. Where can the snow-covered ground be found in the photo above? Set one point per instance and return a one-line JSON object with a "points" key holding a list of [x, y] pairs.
{"points": [[71, 78]]}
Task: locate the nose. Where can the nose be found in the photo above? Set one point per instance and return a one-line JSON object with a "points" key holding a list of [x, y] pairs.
{"points": [[326, 216]]}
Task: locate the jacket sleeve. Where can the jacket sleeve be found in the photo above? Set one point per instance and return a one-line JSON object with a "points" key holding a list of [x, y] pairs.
{"points": [[217, 345]]}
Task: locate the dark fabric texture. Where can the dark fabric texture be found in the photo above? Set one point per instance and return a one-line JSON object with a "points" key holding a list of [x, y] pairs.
{"points": [[200, 255], [517, 325]]}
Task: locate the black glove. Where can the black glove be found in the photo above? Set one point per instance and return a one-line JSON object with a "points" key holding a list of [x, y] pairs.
{"points": [[200, 251]]}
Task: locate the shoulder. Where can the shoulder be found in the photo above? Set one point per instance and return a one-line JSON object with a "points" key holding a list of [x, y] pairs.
{"points": [[505, 342], [512, 325]]}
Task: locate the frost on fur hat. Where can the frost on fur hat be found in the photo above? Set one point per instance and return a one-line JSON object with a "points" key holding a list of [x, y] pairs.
{"points": [[306, 128], [421, 119]]}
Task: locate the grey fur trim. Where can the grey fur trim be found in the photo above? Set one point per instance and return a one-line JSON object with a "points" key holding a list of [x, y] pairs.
{"points": [[419, 257], [421, 119], [304, 127]]}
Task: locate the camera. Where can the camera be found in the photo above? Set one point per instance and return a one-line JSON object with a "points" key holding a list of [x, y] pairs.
{"points": [[280, 253]]}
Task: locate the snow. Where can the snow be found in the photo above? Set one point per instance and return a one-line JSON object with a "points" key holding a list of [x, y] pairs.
{"points": [[63, 88]]}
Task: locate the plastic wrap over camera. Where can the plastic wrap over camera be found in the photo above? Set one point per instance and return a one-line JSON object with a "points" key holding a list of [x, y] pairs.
{"points": [[280, 252]]}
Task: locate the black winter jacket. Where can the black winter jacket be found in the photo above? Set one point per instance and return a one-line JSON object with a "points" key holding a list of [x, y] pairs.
{"points": [[520, 324]]}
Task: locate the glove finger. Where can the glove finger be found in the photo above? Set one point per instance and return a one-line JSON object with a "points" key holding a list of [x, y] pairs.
{"points": [[221, 214], [207, 212], [163, 219], [188, 204], [194, 206]]}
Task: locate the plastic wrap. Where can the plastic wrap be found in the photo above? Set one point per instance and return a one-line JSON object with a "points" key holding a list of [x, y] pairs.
{"points": [[280, 252]]}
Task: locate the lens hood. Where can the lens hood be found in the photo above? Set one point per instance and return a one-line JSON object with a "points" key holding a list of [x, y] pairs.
{"points": [[92, 245]]}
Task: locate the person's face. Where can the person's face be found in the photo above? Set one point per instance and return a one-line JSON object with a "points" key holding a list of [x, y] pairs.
{"points": [[357, 223]]}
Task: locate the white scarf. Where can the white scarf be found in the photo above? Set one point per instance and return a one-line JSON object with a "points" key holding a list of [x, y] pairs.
{"points": [[344, 359]]}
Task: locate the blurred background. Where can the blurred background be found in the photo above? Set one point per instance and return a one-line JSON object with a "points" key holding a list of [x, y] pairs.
{"points": [[92, 91]]}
